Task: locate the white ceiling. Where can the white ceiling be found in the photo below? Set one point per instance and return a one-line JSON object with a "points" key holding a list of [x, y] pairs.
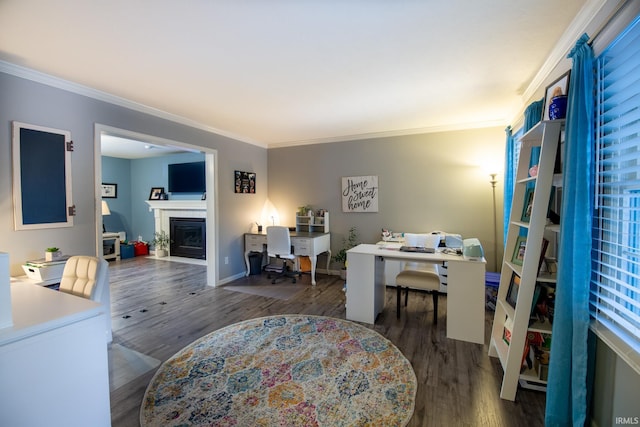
{"points": [[127, 148], [284, 72]]}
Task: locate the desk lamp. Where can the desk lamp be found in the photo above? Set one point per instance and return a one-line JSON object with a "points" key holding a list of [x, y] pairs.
{"points": [[105, 211]]}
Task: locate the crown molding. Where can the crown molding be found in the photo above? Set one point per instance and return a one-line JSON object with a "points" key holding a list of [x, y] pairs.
{"points": [[566, 42], [59, 83], [392, 133]]}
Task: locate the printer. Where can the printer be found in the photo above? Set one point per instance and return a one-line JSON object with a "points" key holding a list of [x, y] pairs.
{"points": [[472, 249]]}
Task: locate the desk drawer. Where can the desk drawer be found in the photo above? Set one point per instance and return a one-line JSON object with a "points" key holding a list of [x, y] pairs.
{"points": [[253, 242], [255, 247], [303, 247]]}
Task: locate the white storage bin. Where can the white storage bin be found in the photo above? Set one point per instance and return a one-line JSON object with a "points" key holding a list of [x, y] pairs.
{"points": [[44, 272]]}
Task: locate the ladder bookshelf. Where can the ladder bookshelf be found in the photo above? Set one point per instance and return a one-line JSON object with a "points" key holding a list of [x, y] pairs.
{"points": [[514, 331]]}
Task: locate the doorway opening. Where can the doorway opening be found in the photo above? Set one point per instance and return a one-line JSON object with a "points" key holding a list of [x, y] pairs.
{"points": [[161, 144]]}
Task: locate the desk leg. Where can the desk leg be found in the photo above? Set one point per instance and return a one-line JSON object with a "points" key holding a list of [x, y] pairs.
{"points": [[465, 301], [314, 261], [246, 262], [365, 287], [117, 248]]}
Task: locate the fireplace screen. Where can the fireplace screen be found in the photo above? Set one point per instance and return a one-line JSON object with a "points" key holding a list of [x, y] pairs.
{"points": [[188, 237]]}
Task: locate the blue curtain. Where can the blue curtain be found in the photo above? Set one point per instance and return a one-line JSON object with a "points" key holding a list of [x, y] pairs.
{"points": [[571, 351], [509, 182], [533, 114]]}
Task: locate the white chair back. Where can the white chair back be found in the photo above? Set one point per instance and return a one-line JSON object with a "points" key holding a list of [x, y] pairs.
{"points": [[88, 277], [278, 241], [423, 240]]}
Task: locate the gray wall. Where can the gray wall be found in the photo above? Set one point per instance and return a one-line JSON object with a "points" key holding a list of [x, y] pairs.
{"points": [[437, 181], [615, 387], [34, 103]]}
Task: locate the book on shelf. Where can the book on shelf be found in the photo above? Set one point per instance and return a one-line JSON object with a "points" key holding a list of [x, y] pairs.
{"points": [[537, 353], [542, 304], [543, 251], [506, 334]]}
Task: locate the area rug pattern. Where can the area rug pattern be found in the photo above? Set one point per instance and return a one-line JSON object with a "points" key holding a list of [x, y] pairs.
{"points": [[289, 370]]}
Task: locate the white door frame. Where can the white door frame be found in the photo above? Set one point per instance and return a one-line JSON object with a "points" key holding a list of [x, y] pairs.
{"points": [[211, 168]]}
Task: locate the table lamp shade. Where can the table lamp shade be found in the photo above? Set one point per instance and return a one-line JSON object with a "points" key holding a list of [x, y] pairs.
{"points": [[105, 211], [105, 208]]}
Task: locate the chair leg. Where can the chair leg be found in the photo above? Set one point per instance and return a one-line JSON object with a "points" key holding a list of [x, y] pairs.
{"points": [[398, 297], [435, 306], [406, 295]]}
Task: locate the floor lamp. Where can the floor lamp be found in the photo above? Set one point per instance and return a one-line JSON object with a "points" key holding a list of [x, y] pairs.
{"points": [[493, 183]]}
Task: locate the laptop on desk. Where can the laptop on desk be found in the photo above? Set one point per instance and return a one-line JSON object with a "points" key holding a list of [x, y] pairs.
{"points": [[420, 249]]}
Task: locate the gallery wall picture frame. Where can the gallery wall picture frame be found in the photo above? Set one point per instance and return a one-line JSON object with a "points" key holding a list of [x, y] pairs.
{"points": [[514, 288], [527, 205], [109, 191], [244, 182], [518, 250], [559, 86], [156, 193]]}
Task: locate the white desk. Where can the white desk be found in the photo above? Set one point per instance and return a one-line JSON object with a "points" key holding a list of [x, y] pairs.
{"points": [[465, 290], [304, 244], [53, 361]]}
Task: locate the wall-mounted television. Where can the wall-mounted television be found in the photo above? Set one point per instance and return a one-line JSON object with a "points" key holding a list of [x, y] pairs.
{"points": [[187, 178]]}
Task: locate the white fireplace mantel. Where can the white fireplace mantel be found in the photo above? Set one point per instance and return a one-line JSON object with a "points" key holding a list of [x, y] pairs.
{"points": [[177, 204], [164, 210]]}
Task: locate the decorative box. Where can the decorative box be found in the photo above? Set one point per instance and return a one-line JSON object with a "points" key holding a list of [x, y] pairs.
{"points": [[127, 251], [140, 248]]}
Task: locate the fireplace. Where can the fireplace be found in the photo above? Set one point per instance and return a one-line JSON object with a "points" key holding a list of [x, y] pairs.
{"points": [[188, 237]]}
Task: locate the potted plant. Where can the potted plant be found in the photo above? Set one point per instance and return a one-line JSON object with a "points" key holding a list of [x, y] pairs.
{"points": [[304, 210], [161, 242], [347, 243], [52, 254]]}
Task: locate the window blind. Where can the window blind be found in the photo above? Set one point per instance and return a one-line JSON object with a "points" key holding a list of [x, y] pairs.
{"points": [[615, 280]]}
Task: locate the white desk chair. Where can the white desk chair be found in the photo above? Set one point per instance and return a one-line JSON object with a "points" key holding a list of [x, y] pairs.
{"points": [[88, 277], [417, 275], [279, 247]]}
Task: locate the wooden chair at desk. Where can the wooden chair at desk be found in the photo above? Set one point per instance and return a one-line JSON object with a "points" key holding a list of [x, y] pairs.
{"points": [[279, 247], [417, 275]]}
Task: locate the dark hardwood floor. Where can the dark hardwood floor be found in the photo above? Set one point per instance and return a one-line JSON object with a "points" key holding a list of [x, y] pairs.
{"points": [[158, 307]]}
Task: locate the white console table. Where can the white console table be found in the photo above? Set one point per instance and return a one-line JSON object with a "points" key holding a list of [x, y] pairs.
{"points": [[304, 244], [465, 291], [53, 361]]}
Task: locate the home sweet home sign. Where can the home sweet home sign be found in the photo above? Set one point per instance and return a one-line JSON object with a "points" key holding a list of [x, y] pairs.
{"points": [[360, 194]]}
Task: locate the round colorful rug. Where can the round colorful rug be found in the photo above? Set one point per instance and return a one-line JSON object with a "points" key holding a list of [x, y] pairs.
{"points": [[290, 370]]}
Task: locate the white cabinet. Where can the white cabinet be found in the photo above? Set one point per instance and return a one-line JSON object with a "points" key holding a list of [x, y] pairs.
{"points": [[115, 237], [53, 361], [514, 333]]}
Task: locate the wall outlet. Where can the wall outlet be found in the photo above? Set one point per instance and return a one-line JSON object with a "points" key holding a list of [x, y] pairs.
{"points": [[226, 260]]}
